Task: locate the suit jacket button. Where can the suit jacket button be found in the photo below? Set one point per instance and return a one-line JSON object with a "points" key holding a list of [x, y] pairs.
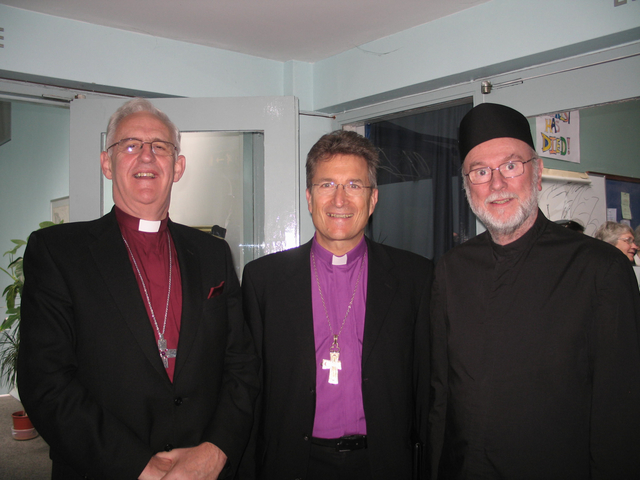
{"points": [[177, 401], [306, 438], [168, 447]]}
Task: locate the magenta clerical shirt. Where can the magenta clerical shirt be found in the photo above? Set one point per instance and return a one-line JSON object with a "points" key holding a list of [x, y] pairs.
{"points": [[339, 408], [151, 252]]}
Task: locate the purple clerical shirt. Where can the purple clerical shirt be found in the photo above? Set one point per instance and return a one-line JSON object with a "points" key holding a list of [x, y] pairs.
{"points": [[150, 249], [339, 408]]}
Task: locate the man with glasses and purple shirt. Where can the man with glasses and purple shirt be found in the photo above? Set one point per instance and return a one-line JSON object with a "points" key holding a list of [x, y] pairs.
{"points": [[135, 361], [341, 325], [535, 346]]}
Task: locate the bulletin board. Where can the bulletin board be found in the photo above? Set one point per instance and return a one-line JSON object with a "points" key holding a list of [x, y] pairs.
{"points": [[615, 187]]}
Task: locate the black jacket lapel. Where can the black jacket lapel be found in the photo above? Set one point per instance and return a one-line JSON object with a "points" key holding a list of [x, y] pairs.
{"points": [[110, 255], [192, 297], [381, 288], [301, 285]]}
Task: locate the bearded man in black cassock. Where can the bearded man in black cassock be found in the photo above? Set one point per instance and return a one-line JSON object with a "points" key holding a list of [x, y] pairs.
{"points": [[536, 360]]}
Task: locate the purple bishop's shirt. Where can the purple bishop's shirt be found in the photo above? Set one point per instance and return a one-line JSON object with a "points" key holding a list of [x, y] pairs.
{"points": [[339, 408], [149, 246]]}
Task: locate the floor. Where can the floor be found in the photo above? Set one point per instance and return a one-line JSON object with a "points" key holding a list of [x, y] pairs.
{"points": [[20, 459]]}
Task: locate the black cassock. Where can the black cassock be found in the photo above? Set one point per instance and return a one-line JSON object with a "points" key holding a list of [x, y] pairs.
{"points": [[536, 359]]}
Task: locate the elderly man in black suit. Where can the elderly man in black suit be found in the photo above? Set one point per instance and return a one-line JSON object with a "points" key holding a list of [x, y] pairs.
{"points": [[341, 324], [135, 361]]}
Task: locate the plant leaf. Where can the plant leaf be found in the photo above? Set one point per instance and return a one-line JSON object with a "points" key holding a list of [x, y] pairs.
{"points": [[15, 262], [19, 271], [9, 343], [19, 243], [10, 293], [9, 321]]}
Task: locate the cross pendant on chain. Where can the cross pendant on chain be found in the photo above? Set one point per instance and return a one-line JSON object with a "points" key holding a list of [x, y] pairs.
{"points": [[333, 365], [165, 353]]}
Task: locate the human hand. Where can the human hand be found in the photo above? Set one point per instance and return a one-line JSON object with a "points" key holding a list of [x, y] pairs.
{"points": [[204, 462], [156, 468]]}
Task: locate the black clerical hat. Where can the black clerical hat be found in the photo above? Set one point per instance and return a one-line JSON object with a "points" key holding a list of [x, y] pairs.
{"points": [[488, 121]]}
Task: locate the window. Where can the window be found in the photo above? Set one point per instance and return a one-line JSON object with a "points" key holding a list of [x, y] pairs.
{"points": [[422, 206]]}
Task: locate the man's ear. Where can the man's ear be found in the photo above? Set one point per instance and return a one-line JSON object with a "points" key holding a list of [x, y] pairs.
{"points": [[178, 167], [105, 164], [539, 174], [309, 206], [373, 201]]}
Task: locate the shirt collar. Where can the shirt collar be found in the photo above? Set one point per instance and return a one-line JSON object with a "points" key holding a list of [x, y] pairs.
{"points": [[525, 241], [348, 258], [137, 224]]}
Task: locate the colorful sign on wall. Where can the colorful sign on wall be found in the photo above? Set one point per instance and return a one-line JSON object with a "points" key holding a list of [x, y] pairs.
{"points": [[558, 136]]}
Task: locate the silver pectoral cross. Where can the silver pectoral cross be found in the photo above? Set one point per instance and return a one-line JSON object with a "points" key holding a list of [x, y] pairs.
{"points": [[333, 365], [165, 353]]}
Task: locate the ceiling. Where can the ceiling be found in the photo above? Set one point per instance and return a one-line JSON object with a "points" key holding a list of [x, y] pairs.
{"points": [[303, 30]]}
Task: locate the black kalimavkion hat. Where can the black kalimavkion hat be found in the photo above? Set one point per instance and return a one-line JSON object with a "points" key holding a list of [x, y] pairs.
{"points": [[488, 121]]}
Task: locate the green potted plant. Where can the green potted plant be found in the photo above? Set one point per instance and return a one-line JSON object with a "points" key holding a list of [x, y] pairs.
{"points": [[10, 327]]}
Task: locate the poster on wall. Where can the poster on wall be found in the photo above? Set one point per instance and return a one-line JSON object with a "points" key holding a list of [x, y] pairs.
{"points": [[558, 136]]}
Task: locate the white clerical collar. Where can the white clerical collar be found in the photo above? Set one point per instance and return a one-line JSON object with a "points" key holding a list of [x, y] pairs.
{"points": [[149, 226], [354, 254], [339, 260]]}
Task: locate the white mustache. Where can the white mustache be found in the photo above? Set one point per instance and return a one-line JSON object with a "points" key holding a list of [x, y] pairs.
{"points": [[500, 196]]}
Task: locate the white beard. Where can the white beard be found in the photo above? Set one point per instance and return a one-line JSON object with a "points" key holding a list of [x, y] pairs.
{"points": [[506, 227]]}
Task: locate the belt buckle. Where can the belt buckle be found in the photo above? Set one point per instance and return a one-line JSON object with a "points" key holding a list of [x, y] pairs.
{"points": [[348, 444], [341, 446]]}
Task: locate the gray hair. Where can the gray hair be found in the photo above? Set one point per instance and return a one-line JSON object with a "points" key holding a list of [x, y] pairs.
{"points": [[343, 142], [136, 105], [611, 232]]}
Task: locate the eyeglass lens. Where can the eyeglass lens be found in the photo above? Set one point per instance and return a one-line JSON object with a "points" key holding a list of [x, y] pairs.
{"points": [[507, 170], [351, 189], [134, 145]]}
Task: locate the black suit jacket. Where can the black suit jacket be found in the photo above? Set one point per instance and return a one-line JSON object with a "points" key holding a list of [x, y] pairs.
{"points": [[395, 360], [90, 376]]}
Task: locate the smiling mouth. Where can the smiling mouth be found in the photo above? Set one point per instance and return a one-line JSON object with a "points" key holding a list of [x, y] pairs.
{"points": [[145, 175], [340, 215], [499, 199]]}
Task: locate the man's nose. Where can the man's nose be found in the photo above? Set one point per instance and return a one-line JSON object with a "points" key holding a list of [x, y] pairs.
{"points": [[339, 196], [497, 182], [146, 153]]}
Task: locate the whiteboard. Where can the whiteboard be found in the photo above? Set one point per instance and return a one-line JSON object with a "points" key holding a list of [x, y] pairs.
{"points": [[585, 203]]}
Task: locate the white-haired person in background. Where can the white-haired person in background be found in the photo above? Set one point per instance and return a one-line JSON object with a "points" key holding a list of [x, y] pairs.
{"points": [[620, 236]]}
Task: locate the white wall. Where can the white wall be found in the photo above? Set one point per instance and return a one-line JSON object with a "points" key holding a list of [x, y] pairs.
{"points": [[491, 38], [52, 47]]}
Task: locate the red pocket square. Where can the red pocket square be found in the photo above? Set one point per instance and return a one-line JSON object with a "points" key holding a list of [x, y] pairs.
{"points": [[215, 291]]}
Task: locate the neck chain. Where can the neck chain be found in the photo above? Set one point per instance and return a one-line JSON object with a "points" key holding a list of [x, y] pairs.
{"points": [[165, 353], [334, 364]]}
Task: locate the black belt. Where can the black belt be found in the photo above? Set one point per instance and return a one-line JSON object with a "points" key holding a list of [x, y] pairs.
{"points": [[342, 444]]}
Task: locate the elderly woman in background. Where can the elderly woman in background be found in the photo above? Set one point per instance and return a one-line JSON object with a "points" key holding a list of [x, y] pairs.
{"points": [[619, 235]]}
